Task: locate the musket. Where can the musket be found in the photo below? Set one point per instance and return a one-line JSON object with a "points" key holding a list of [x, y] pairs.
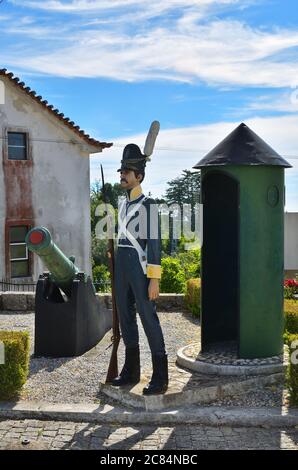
{"points": [[113, 365]]}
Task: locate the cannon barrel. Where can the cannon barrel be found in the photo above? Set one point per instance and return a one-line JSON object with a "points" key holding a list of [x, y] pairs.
{"points": [[62, 269]]}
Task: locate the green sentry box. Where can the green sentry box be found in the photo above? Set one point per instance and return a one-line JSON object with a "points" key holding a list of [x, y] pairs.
{"points": [[242, 192]]}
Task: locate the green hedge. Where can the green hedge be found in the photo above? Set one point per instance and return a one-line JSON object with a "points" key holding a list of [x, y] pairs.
{"points": [[291, 316], [102, 278], [193, 296], [172, 276], [14, 372], [292, 371], [190, 262]]}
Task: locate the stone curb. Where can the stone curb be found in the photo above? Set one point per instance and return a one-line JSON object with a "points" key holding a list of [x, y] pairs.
{"points": [[208, 368], [106, 414]]}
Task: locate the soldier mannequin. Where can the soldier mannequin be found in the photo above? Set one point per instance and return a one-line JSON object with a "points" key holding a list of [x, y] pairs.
{"points": [[137, 282]]}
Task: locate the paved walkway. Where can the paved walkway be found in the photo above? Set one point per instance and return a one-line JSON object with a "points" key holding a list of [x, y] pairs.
{"points": [[68, 435]]}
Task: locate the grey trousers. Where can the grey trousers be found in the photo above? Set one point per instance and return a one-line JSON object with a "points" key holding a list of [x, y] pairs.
{"points": [[131, 288]]}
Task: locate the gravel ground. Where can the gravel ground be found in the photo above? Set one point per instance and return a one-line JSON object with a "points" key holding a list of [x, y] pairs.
{"points": [[273, 395], [76, 379]]}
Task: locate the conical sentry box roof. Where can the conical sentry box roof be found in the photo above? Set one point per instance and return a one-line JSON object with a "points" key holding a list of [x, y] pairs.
{"points": [[242, 147]]}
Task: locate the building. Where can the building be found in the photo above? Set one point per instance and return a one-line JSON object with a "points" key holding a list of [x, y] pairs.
{"points": [[291, 244], [44, 179]]}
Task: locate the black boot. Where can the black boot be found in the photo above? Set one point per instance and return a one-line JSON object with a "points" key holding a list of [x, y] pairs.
{"points": [[130, 373], [160, 377]]}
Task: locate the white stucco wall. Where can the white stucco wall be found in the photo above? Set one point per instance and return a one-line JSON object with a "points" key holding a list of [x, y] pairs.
{"points": [[291, 241], [61, 180]]}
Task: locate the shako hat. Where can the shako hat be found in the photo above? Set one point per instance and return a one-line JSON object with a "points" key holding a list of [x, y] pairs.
{"points": [[133, 159]]}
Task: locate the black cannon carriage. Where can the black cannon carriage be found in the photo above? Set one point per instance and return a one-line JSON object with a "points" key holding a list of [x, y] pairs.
{"points": [[69, 318]]}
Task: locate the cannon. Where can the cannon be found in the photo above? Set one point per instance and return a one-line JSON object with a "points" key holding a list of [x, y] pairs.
{"points": [[69, 318]]}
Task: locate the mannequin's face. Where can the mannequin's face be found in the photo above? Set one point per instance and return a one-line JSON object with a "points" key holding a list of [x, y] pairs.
{"points": [[128, 179]]}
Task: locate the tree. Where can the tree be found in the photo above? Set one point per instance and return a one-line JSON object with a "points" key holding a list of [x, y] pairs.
{"points": [[183, 190], [113, 191], [100, 261]]}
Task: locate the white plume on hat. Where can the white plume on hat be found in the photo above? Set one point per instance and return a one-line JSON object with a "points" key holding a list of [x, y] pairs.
{"points": [[150, 140]]}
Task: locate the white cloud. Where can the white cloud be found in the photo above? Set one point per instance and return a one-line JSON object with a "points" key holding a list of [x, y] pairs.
{"points": [[192, 143], [81, 6], [182, 47], [285, 102], [32, 31]]}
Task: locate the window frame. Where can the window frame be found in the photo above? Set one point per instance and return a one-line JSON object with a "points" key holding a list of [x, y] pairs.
{"points": [[17, 130], [16, 260], [26, 249], [18, 223], [25, 147]]}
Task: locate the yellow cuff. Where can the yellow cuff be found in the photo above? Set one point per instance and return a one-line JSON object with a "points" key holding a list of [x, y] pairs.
{"points": [[154, 271]]}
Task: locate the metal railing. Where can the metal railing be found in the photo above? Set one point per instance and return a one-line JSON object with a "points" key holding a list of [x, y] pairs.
{"points": [[11, 285], [102, 286], [14, 286]]}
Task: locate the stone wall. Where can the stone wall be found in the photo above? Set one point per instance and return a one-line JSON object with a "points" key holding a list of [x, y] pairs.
{"points": [[24, 301]]}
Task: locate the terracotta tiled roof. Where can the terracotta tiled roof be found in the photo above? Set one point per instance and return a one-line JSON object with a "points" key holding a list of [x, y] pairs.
{"points": [[50, 108]]}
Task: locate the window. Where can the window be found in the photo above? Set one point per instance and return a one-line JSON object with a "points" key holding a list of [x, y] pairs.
{"points": [[19, 259], [17, 145]]}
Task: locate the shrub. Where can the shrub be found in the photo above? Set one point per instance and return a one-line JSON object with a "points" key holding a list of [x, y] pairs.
{"points": [[191, 263], [292, 371], [14, 372], [290, 288], [101, 277], [99, 251], [172, 277], [291, 316], [165, 247], [193, 296], [191, 242]]}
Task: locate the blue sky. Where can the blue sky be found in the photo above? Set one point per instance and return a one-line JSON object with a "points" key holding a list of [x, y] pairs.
{"points": [[198, 66]]}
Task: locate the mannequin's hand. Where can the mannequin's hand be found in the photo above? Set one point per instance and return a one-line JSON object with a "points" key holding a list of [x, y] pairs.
{"points": [[153, 289]]}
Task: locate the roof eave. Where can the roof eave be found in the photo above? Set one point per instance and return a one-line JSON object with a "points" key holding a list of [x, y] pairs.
{"points": [[92, 143], [99, 147]]}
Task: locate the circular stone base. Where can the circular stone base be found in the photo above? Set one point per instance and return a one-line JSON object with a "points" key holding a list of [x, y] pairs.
{"points": [[222, 359]]}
